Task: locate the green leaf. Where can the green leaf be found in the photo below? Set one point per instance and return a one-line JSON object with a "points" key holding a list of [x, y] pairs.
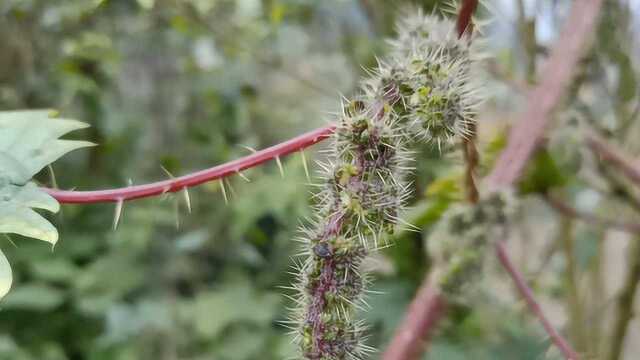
{"points": [[35, 296], [55, 269], [213, 311], [6, 276], [29, 142], [542, 173], [11, 170], [17, 216]]}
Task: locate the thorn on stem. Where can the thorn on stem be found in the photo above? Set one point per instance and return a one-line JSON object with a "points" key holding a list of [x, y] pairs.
{"points": [[304, 164], [231, 189], [118, 213], [54, 182], [280, 168], [169, 174], [243, 176], [224, 192], [187, 198], [253, 151]]}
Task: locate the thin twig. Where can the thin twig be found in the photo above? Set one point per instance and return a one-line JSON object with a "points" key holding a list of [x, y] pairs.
{"points": [[611, 155], [624, 309], [472, 160], [566, 209], [575, 307], [528, 296], [464, 26]]}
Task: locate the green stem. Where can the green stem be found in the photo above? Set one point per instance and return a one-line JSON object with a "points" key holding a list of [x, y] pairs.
{"points": [[624, 306], [576, 311]]}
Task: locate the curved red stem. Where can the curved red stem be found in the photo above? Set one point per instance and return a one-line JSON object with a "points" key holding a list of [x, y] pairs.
{"points": [[527, 294], [202, 176], [425, 311]]}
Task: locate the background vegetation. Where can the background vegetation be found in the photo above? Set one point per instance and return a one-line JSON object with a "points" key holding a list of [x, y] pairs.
{"points": [[183, 84]]}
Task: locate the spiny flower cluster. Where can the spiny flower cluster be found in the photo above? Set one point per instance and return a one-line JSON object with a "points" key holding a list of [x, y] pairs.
{"points": [[421, 91], [433, 68], [460, 239]]}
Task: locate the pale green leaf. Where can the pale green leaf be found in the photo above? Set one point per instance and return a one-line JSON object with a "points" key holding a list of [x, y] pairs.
{"points": [[16, 215], [30, 138], [31, 196], [11, 170], [213, 311], [36, 296], [29, 141], [6, 276]]}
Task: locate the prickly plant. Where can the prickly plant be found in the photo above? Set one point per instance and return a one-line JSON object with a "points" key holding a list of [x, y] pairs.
{"points": [[459, 242], [421, 91]]}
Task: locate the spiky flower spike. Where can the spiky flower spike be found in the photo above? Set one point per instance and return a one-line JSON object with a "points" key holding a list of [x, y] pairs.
{"points": [[419, 91], [459, 242]]}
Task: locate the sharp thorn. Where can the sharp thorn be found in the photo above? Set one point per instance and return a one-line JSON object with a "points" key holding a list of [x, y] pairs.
{"points": [[224, 192], [304, 164], [243, 176], [249, 148], [280, 166], [187, 198], [118, 213], [169, 174]]}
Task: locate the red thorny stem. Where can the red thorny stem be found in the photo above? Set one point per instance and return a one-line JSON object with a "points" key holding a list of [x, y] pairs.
{"points": [[176, 184]]}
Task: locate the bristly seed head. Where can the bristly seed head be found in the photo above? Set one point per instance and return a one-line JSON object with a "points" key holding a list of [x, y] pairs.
{"points": [[421, 91]]}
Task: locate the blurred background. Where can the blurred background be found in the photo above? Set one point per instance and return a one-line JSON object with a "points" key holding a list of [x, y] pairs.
{"points": [[185, 84]]}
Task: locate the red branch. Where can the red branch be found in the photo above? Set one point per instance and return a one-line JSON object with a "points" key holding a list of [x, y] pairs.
{"points": [[557, 75], [527, 294], [425, 311], [464, 26], [464, 23], [566, 209], [197, 178]]}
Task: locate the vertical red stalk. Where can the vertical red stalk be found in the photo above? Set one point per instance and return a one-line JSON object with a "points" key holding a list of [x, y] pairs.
{"points": [[556, 77], [425, 311], [464, 25]]}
